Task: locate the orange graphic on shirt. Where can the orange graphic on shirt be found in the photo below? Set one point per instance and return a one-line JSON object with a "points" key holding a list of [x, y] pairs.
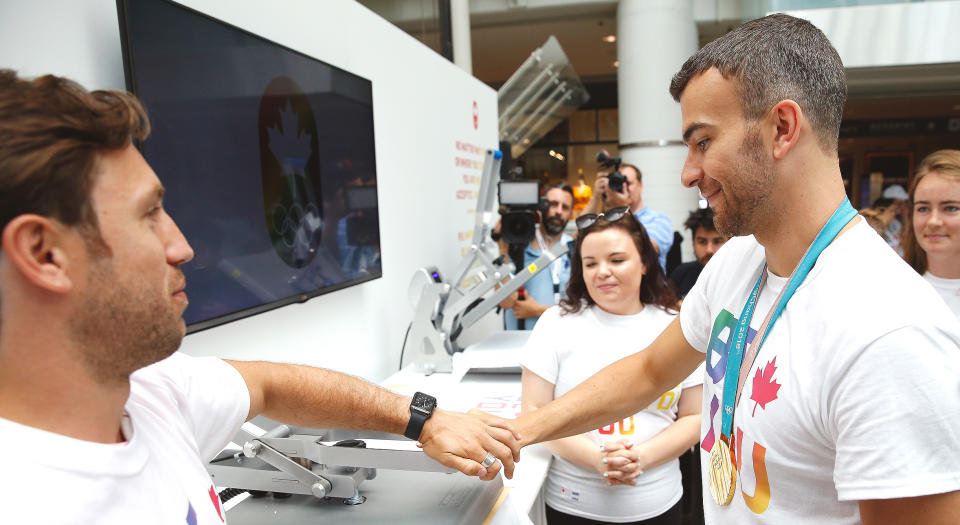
{"points": [[760, 500], [626, 427]]}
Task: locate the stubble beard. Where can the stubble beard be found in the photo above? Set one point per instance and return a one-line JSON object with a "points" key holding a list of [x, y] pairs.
{"points": [[119, 328], [554, 225], [746, 195]]}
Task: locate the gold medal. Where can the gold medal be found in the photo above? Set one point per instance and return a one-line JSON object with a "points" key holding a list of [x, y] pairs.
{"points": [[723, 477]]}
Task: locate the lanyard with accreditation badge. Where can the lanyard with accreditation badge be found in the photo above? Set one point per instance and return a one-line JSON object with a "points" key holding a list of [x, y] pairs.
{"points": [[723, 477], [554, 268]]}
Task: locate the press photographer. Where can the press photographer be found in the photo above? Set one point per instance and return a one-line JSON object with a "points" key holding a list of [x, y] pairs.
{"points": [[520, 207], [615, 179], [621, 184], [530, 229]]}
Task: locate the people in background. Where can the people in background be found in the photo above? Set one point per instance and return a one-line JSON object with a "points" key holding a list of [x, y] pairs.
{"points": [[876, 220], [94, 399], [846, 410], [618, 301], [581, 196], [547, 287], [658, 225], [896, 209], [706, 241], [931, 238], [887, 210]]}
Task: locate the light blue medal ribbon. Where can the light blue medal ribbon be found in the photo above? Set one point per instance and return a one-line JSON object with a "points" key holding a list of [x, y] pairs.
{"points": [[732, 388]]}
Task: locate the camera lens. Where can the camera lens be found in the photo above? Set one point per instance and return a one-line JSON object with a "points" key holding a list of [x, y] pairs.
{"points": [[616, 180], [518, 227]]}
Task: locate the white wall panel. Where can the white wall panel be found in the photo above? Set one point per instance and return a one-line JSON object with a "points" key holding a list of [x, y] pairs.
{"points": [[423, 105]]}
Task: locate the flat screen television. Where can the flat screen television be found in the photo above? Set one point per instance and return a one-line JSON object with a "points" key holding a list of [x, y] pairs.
{"points": [[267, 156]]}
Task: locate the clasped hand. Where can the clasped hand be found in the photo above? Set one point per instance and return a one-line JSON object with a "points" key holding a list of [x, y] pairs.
{"points": [[621, 462]]}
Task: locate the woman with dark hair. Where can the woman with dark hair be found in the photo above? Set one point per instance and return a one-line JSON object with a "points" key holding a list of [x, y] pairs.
{"points": [[618, 301], [931, 238]]}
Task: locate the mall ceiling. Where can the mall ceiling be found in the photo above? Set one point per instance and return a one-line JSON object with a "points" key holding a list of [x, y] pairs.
{"points": [[503, 37]]}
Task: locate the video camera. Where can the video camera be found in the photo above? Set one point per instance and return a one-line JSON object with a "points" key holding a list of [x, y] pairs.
{"points": [[616, 179], [519, 203], [362, 220]]}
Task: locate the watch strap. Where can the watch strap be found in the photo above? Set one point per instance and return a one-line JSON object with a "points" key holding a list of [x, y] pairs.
{"points": [[415, 426]]}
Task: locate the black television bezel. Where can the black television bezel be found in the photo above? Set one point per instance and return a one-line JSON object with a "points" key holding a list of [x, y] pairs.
{"points": [[130, 81]]}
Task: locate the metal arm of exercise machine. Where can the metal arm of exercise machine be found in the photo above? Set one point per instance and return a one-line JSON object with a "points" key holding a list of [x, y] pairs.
{"points": [[445, 307]]}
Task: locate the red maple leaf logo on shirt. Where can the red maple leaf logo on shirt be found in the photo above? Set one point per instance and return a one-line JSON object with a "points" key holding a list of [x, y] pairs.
{"points": [[215, 499], [765, 387]]}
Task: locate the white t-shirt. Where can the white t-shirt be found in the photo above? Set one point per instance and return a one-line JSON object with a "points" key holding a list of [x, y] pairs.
{"points": [[566, 350], [949, 289], [180, 414], [853, 396]]}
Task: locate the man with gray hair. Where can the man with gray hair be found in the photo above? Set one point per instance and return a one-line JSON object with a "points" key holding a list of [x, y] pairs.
{"points": [[830, 406]]}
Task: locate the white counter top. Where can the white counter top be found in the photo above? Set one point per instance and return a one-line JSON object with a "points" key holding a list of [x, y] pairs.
{"points": [[498, 394]]}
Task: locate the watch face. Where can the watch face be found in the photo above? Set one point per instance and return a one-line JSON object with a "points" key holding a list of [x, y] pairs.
{"points": [[423, 403]]}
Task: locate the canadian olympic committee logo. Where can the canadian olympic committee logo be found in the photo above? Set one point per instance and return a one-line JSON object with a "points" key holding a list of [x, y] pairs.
{"points": [[289, 163]]}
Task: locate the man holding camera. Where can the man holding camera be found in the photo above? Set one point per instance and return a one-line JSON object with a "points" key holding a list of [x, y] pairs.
{"points": [[546, 288], [623, 186]]}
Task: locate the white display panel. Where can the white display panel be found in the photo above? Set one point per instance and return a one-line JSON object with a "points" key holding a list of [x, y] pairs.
{"points": [[432, 124]]}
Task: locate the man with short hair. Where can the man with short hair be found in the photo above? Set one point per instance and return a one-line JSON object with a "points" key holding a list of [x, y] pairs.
{"points": [[102, 420], [895, 201], [546, 288], [846, 407], [658, 225], [706, 241]]}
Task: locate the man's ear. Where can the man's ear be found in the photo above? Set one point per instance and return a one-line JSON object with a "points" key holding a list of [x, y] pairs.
{"points": [[786, 117], [36, 246]]}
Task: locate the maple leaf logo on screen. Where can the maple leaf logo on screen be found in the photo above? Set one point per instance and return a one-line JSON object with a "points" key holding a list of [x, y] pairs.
{"points": [[287, 141], [765, 387]]}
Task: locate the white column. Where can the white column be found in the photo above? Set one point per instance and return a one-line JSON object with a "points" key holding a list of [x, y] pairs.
{"points": [[460, 28], [654, 38]]}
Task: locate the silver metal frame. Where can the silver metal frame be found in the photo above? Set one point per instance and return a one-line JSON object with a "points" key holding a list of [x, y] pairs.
{"points": [[298, 462], [444, 310]]}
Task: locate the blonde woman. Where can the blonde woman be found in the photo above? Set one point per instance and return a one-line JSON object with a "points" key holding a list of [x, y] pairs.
{"points": [[931, 240]]}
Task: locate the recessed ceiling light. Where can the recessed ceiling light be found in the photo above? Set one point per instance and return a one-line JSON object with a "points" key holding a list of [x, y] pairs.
{"points": [[616, 63], [610, 39]]}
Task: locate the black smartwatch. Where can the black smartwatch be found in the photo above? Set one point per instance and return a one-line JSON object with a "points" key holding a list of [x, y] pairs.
{"points": [[421, 408]]}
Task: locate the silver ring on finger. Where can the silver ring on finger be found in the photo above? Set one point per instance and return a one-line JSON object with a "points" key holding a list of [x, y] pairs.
{"points": [[489, 460]]}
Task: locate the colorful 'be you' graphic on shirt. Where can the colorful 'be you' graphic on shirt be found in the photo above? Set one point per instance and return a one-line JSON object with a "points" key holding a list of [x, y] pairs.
{"points": [[765, 390]]}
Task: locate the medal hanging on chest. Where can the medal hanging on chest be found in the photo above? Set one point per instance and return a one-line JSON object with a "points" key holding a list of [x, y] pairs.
{"points": [[723, 473]]}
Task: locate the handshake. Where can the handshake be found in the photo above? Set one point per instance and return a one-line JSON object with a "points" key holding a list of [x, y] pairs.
{"points": [[478, 444], [473, 442]]}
